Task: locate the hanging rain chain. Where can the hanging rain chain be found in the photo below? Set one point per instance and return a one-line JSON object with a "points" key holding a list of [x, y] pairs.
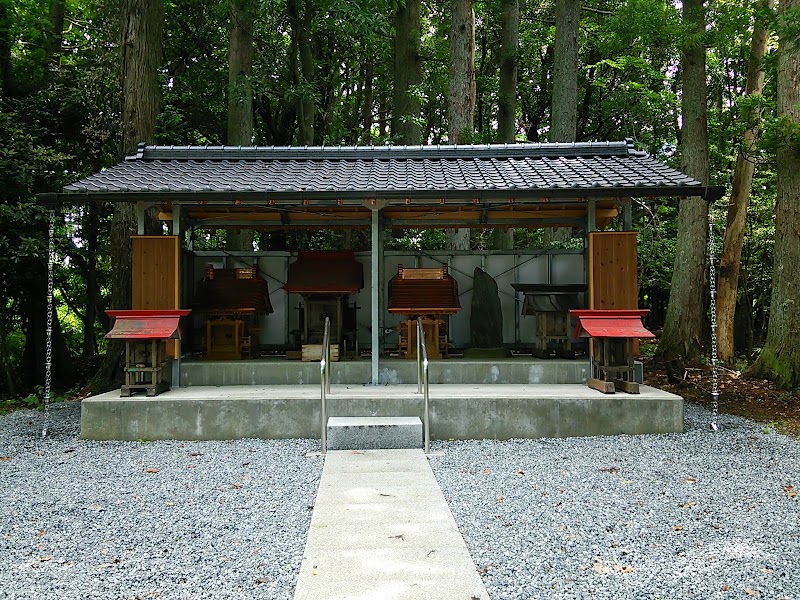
{"points": [[712, 276], [48, 361]]}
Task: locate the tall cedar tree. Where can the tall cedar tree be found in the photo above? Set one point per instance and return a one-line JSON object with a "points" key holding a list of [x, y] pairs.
{"points": [[240, 96], [406, 128], [740, 191], [301, 58], [564, 101], [780, 358], [142, 24], [682, 337], [461, 95], [503, 238]]}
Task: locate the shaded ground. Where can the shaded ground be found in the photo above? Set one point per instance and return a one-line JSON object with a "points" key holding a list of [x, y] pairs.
{"points": [[756, 399]]}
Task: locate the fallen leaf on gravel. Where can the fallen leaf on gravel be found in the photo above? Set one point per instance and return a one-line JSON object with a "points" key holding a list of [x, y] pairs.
{"points": [[767, 570], [499, 499], [40, 533], [613, 470], [725, 587], [195, 454], [520, 472], [624, 569], [751, 592], [600, 567], [5, 459], [677, 528], [790, 491], [152, 470], [687, 504], [45, 558], [691, 480], [262, 580], [237, 486], [487, 471]]}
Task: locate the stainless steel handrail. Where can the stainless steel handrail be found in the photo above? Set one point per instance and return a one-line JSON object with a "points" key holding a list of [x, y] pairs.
{"points": [[422, 380], [325, 381]]}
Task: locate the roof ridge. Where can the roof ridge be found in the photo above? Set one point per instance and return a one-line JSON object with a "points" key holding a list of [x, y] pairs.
{"points": [[440, 151]]}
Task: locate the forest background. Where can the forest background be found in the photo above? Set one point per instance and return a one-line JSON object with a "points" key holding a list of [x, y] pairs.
{"points": [[708, 87]]}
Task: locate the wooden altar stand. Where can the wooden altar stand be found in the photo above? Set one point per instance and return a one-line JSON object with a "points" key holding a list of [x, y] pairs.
{"points": [[428, 293], [613, 335]]}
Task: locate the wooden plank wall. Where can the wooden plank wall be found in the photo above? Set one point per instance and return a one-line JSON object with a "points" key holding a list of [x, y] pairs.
{"points": [[155, 271], [613, 282]]}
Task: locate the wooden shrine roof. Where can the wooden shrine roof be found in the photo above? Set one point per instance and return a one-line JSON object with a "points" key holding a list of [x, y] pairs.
{"points": [[233, 291], [423, 292], [325, 273]]}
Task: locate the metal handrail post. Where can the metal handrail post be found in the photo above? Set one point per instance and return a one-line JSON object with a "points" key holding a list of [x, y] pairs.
{"points": [[419, 354], [324, 367], [422, 351]]}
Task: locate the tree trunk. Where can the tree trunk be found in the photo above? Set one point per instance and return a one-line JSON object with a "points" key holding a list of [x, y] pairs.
{"points": [[240, 96], [740, 195], [56, 36], [780, 358], [407, 74], [142, 27], [683, 327], [564, 110], [509, 56], [90, 237], [564, 100], [5, 50], [366, 107], [303, 69], [461, 92]]}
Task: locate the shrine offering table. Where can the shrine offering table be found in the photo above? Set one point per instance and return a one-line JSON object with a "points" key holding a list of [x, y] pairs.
{"points": [[550, 304]]}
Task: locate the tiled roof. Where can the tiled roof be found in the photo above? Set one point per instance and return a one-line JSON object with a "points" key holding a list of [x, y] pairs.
{"points": [[422, 172]]}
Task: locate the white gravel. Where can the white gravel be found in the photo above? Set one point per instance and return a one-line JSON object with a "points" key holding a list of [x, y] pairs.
{"points": [[694, 515], [82, 519]]}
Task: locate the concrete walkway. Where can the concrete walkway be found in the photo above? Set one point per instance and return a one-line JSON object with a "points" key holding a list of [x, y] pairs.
{"points": [[381, 530]]}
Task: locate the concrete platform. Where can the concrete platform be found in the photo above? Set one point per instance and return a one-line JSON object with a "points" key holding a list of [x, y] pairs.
{"points": [[454, 371], [362, 433], [381, 528], [456, 411]]}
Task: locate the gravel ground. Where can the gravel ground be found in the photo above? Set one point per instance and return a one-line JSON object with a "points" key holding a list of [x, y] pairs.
{"points": [[109, 520], [694, 515], [697, 515]]}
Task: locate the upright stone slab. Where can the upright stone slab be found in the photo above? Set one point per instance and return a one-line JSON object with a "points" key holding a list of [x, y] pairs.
{"points": [[486, 318]]}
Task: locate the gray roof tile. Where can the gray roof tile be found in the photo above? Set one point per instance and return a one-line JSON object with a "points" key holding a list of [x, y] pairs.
{"points": [[513, 169]]}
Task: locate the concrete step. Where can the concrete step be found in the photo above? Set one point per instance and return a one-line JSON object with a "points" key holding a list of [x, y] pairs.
{"points": [[370, 433], [392, 371]]}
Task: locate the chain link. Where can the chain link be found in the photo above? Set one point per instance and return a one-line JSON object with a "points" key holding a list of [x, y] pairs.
{"points": [[712, 276], [48, 361]]}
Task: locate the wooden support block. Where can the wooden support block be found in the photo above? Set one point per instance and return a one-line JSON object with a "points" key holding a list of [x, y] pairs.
{"points": [[627, 386], [313, 352], [607, 387]]}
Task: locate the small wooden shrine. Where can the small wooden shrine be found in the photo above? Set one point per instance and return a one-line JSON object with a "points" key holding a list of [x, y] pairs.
{"points": [[232, 301], [325, 281], [430, 293], [613, 336], [550, 306], [145, 333]]}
